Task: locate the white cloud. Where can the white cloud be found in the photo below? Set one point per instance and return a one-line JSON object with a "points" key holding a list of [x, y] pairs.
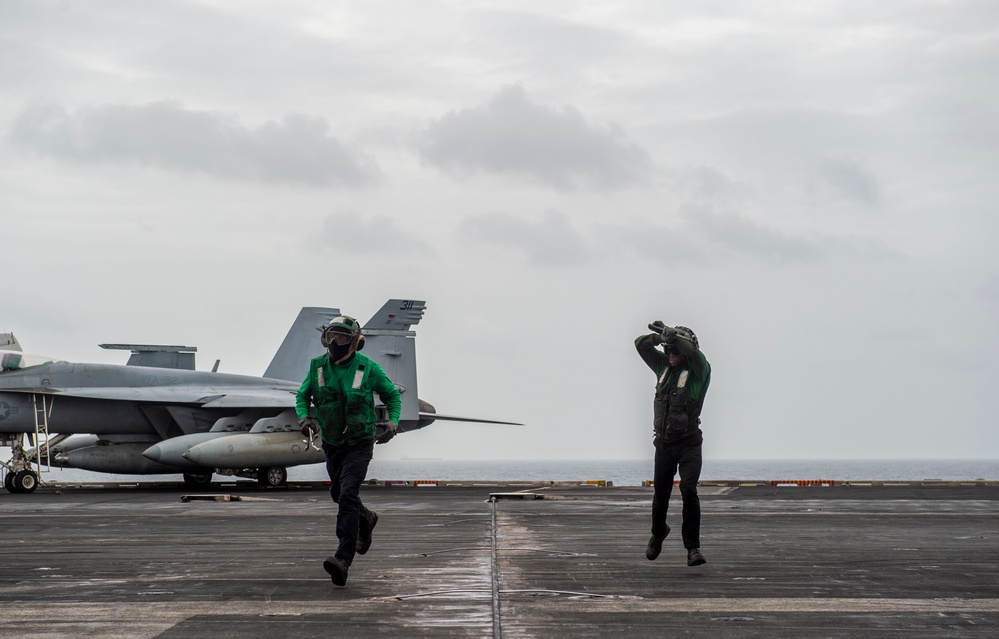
{"points": [[165, 135]]}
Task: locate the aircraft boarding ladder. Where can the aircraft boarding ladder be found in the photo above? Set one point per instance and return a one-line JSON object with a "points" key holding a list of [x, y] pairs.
{"points": [[42, 410], [21, 477]]}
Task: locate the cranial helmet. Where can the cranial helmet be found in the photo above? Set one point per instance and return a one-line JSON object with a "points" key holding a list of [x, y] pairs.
{"points": [[342, 329], [683, 331], [342, 336]]}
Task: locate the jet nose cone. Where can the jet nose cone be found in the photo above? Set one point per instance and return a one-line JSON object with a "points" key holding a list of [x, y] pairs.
{"points": [[153, 453]]}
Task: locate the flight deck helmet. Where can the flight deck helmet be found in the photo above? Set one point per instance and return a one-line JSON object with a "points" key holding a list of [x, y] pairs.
{"points": [[343, 334], [683, 331]]}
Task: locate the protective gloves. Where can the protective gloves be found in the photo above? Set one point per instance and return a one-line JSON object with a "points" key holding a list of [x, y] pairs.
{"points": [[310, 427], [662, 334], [384, 431]]}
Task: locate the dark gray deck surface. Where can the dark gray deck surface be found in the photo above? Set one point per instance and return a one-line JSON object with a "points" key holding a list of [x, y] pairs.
{"points": [[782, 562]]}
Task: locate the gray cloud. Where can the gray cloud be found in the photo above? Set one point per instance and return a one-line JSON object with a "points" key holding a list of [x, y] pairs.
{"points": [[549, 240], [707, 184], [703, 235], [847, 179], [698, 235], [742, 236], [348, 232], [166, 135], [660, 242], [745, 236], [513, 136]]}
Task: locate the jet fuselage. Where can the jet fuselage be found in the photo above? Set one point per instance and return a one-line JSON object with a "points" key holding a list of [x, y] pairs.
{"points": [[112, 399]]}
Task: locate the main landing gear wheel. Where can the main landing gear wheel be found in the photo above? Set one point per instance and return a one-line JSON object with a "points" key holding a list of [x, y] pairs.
{"points": [[272, 476], [8, 482]]}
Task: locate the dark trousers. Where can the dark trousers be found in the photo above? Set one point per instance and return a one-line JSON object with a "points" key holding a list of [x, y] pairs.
{"points": [[347, 466], [686, 457]]}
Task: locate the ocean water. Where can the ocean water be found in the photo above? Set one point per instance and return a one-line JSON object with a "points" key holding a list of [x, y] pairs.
{"points": [[633, 472], [628, 472]]}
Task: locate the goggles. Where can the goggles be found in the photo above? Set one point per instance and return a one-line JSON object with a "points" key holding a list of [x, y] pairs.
{"points": [[336, 337]]}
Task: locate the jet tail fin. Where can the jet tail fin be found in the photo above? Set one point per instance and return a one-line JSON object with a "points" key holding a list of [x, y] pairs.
{"points": [[9, 343], [396, 315], [389, 341], [300, 345]]}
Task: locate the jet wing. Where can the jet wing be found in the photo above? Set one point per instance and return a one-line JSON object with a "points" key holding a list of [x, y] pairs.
{"points": [[204, 396]]}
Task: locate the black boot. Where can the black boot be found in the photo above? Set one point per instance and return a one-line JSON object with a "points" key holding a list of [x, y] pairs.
{"points": [[337, 570], [695, 558], [656, 545], [364, 532]]}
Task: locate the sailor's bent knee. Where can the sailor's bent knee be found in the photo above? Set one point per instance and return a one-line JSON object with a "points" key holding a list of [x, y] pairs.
{"points": [[688, 488]]}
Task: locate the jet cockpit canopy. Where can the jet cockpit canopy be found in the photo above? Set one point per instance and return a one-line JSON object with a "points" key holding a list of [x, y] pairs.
{"points": [[16, 360]]}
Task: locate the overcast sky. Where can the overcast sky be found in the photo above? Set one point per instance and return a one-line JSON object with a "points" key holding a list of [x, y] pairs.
{"points": [[812, 187]]}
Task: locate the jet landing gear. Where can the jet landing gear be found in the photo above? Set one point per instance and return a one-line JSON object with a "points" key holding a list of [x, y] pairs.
{"points": [[20, 477], [24, 481], [268, 476], [272, 476]]}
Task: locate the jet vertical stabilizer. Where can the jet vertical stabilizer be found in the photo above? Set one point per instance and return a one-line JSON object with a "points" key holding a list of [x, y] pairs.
{"points": [[389, 341], [397, 315], [300, 345], [8, 342]]}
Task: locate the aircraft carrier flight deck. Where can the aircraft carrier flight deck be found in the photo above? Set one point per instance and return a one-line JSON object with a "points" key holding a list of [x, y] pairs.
{"points": [[476, 559]]}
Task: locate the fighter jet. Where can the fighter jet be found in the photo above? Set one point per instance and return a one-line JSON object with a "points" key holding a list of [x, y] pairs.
{"points": [[157, 414]]}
